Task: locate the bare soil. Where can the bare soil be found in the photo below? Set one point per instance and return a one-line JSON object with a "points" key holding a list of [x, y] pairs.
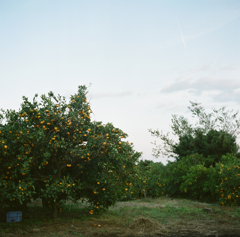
{"points": [[202, 219]]}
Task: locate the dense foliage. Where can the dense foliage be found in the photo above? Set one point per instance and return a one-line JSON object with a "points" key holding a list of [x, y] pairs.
{"points": [[206, 165], [212, 146], [52, 150]]}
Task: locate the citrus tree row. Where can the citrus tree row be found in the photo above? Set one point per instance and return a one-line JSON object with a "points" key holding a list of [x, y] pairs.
{"points": [[207, 159], [190, 178], [52, 150], [147, 180]]}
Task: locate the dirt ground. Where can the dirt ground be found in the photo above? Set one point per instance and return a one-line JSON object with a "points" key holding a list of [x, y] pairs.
{"points": [[140, 227], [217, 224]]}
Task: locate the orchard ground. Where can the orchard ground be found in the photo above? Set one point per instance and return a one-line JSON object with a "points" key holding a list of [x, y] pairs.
{"points": [[164, 216]]}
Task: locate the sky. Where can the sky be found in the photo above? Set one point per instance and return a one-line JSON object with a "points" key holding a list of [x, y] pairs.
{"points": [[142, 61]]}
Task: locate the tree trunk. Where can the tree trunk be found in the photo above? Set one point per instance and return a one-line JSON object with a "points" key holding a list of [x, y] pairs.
{"points": [[139, 194], [145, 193], [54, 211], [45, 205]]}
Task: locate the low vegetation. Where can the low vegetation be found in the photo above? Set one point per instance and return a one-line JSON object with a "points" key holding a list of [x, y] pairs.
{"points": [[167, 216]]}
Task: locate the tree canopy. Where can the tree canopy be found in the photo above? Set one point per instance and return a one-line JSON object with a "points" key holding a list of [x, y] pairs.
{"points": [[186, 132], [52, 150], [212, 146]]}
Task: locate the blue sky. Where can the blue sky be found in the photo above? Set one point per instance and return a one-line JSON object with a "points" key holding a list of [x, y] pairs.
{"points": [[145, 60]]}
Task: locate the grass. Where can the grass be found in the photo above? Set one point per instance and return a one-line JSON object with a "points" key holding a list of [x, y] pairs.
{"points": [[75, 219]]}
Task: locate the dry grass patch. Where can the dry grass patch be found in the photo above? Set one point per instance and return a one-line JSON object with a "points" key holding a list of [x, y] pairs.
{"points": [[145, 217]]}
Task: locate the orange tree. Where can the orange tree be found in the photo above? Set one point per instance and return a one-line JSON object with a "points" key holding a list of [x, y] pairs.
{"points": [[214, 184], [146, 180], [175, 172], [200, 182], [16, 187], [229, 188], [111, 167], [190, 178], [52, 150], [156, 179]]}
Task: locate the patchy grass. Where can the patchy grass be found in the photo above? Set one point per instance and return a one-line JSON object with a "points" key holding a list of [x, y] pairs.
{"points": [[149, 217]]}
